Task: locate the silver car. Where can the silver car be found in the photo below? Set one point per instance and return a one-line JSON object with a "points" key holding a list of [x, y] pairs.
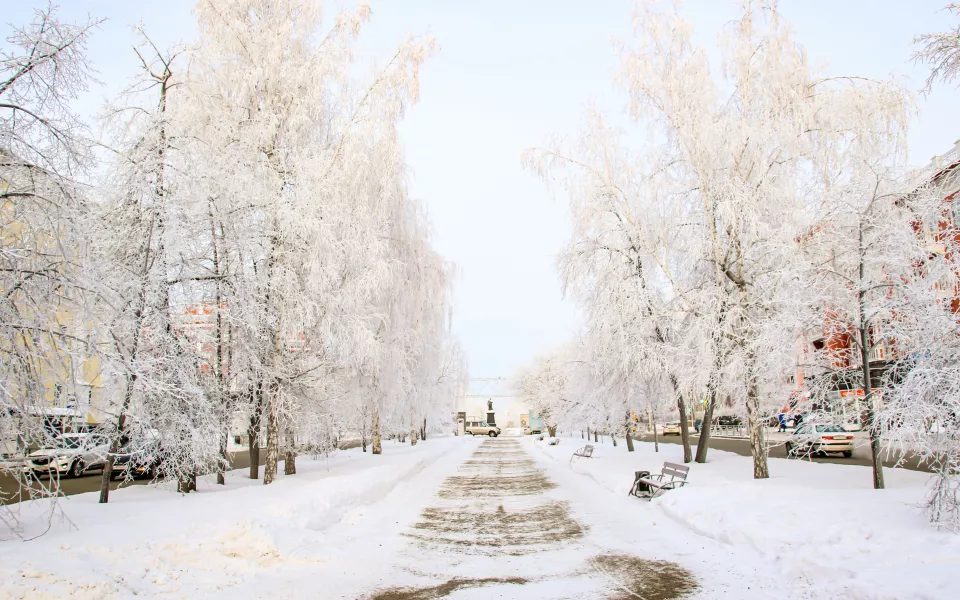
{"points": [[482, 428], [69, 454]]}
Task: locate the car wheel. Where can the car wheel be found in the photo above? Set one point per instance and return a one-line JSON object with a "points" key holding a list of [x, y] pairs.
{"points": [[848, 454], [492, 434], [77, 468]]}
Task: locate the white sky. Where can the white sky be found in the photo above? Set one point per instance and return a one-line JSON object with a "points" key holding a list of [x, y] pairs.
{"points": [[509, 75]]}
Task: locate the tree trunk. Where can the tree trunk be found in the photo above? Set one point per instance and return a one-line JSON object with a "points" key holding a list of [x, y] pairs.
{"points": [[187, 483], [552, 430], [363, 430], [627, 435], [290, 458], [596, 436], [256, 421], [221, 479], [871, 419], [423, 430], [218, 362], [653, 425], [684, 423], [758, 444], [413, 436], [703, 444], [377, 444], [107, 473], [273, 444], [613, 439]]}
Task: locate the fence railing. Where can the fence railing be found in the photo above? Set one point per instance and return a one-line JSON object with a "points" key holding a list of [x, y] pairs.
{"points": [[728, 431]]}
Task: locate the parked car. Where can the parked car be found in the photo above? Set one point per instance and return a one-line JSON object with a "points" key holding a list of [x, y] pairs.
{"points": [[482, 428], [532, 431], [820, 439], [139, 459], [69, 454], [671, 428], [728, 421]]}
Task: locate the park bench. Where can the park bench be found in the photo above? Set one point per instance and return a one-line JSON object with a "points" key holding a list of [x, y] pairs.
{"points": [[585, 452], [670, 477]]}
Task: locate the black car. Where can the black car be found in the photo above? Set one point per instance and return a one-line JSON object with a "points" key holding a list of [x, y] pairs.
{"points": [[729, 421], [141, 460]]}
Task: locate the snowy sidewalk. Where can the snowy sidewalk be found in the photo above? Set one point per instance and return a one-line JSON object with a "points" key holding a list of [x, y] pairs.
{"points": [[511, 524], [151, 542]]}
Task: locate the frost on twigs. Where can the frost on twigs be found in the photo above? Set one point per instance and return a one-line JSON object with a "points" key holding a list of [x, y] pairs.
{"points": [[44, 152], [941, 51], [246, 267], [742, 218]]}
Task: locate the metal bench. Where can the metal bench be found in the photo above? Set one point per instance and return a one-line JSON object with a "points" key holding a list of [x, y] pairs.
{"points": [[585, 452], [670, 477]]}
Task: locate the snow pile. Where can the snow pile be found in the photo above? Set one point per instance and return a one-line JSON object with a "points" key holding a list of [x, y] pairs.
{"points": [[823, 523], [151, 541]]}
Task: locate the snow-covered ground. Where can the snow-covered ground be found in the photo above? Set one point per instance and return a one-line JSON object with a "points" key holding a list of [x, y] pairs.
{"points": [[495, 518], [821, 526], [151, 541]]}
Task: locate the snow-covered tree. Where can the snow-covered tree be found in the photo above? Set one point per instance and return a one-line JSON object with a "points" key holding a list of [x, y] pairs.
{"points": [[315, 171], [45, 332], [712, 205], [141, 244], [941, 51], [919, 394], [552, 385]]}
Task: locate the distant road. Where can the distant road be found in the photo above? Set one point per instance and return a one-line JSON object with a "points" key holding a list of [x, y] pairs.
{"points": [[11, 493], [861, 453]]}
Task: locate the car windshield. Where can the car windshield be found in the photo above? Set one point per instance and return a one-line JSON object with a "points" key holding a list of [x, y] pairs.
{"points": [[139, 446], [71, 441], [830, 429]]}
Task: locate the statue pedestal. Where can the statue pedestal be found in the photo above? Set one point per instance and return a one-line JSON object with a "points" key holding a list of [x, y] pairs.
{"points": [[490, 418]]}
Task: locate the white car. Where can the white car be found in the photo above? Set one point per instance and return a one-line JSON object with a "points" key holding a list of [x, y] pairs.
{"points": [[70, 454], [820, 439], [671, 428]]}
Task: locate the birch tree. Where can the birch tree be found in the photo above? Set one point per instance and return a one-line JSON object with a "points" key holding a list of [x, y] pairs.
{"points": [[45, 328], [726, 181], [315, 155], [920, 396], [143, 268]]}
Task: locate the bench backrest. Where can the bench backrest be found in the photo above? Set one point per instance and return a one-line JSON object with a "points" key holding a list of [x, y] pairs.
{"points": [[675, 471], [587, 450]]}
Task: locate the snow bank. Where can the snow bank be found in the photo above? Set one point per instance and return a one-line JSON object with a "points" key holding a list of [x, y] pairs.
{"points": [[152, 541], [822, 523]]}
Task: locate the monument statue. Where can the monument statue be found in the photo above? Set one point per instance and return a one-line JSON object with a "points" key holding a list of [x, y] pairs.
{"points": [[491, 419]]}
